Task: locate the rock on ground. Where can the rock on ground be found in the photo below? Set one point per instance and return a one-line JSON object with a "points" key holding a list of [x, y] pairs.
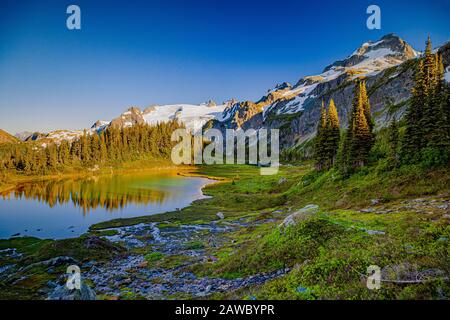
{"points": [[293, 219], [220, 215], [63, 293]]}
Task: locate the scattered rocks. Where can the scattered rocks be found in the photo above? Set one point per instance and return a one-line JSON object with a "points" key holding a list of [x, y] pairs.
{"points": [[282, 180], [408, 273], [57, 261], [429, 206], [10, 253], [6, 268], [154, 282]]}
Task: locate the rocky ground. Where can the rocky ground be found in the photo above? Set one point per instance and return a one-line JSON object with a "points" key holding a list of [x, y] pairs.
{"points": [[158, 257], [164, 275]]}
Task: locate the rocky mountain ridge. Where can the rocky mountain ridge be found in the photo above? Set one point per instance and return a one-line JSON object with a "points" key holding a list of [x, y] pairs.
{"points": [[387, 65]]}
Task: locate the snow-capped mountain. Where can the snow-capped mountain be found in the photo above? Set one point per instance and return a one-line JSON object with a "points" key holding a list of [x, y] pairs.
{"points": [[193, 117], [368, 60], [386, 64]]}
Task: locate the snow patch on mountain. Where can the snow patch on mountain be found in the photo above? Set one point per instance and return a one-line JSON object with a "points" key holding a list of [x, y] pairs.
{"points": [[68, 135], [368, 60], [193, 116], [296, 105], [447, 76]]}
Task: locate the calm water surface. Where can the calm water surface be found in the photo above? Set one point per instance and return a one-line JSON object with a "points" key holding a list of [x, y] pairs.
{"points": [[66, 208]]}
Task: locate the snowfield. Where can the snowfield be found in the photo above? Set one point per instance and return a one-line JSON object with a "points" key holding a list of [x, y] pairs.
{"points": [[193, 116], [296, 105]]}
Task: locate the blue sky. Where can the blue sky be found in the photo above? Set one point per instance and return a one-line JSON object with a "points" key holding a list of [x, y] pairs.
{"points": [[138, 53]]}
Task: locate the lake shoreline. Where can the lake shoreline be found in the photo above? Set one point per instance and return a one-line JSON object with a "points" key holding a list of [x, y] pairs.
{"points": [[16, 179], [146, 187]]}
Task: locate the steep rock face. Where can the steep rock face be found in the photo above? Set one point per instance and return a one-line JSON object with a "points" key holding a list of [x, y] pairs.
{"points": [[99, 125], [129, 118], [22, 136], [245, 113], [36, 136]]}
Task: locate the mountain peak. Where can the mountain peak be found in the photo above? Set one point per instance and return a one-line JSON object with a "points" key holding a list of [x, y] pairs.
{"points": [[390, 36], [389, 49]]}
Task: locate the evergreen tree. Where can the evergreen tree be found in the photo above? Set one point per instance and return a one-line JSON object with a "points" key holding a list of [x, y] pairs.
{"points": [[95, 155], [64, 152], [439, 137], [320, 151], [427, 135], [333, 134], [393, 142], [429, 116], [413, 138], [113, 145], [366, 104], [103, 148], [359, 138], [85, 148], [52, 156]]}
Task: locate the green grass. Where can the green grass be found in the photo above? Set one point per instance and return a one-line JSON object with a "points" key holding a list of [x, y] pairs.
{"points": [[154, 256], [328, 254], [248, 193]]}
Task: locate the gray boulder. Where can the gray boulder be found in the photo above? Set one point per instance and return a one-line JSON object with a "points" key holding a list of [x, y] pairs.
{"points": [[220, 215], [302, 214], [64, 293]]}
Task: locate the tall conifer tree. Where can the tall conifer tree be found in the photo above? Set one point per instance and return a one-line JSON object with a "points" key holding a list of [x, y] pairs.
{"points": [[333, 135], [320, 153]]}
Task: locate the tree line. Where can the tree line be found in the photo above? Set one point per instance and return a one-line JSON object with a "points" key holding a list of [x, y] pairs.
{"points": [[426, 137], [113, 145]]}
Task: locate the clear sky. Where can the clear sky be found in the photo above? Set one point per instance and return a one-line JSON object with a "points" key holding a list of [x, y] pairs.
{"points": [[138, 53]]}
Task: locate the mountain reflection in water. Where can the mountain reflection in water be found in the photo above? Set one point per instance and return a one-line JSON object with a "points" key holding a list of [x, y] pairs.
{"points": [[98, 198]]}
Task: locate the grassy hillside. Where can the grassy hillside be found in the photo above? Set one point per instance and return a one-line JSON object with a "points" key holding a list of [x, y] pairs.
{"points": [[397, 220], [5, 137]]}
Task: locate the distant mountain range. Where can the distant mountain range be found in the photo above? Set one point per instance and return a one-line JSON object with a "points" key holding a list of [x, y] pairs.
{"points": [[387, 64]]}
